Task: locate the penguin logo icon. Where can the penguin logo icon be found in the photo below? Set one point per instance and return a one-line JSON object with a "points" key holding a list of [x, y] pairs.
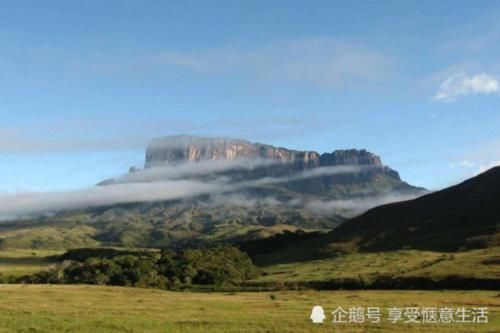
{"points": [[317, 315]]}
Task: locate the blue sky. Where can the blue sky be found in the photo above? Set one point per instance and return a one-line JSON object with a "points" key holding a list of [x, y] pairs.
{"points": [[85, 85]]}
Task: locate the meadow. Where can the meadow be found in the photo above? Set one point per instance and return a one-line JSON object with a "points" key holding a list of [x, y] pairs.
{"points": [[99, 309], [18, 262], [104, 309], [479, 263]]}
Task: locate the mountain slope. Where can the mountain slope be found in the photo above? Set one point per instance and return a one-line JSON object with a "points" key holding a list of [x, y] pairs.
{"points": [[463, 216], [254, 190]]}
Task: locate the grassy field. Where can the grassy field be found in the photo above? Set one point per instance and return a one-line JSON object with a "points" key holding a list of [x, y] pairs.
{"points": [[484, 263], [50, 308], [36, 236], [17, 262]]}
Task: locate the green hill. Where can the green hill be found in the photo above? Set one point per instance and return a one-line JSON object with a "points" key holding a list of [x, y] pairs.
{"points": [[464, 216]]}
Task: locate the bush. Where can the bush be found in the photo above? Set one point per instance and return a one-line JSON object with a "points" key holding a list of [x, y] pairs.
{"points": [[172, 270]]}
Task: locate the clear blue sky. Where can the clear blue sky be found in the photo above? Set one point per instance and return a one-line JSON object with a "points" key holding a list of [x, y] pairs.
{"points": [[84, 85]]}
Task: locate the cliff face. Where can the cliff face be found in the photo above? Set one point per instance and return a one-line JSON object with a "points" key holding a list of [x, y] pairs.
{"points": [[179, 149], [350, 157]]}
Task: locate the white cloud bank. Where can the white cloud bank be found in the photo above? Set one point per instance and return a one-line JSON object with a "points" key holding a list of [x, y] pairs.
{"points": [[359, 205], [35, 203], [461, 84], [161, 184], [190, 169]]}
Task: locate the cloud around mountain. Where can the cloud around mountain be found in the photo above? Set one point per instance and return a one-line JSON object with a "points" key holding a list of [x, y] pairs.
{"points": [[180, 182]]}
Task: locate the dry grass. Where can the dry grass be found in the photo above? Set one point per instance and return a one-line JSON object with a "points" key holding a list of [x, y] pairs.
{"points": [[46, 308]]}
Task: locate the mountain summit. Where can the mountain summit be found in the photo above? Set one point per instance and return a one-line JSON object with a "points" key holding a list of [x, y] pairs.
{"points": [[184, 148]]}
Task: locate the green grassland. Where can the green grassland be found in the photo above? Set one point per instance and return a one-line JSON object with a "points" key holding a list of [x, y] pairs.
{"points": [[481, 263], [115, 228], [17, 262], [49, 236], [96, 309]]}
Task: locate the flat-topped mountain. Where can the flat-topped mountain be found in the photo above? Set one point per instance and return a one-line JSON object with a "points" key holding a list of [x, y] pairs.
{"points": [[179, 149], [210, 189], [240, 160]]}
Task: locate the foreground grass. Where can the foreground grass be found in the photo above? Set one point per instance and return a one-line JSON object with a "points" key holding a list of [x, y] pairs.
{"points": [[50, 308]]}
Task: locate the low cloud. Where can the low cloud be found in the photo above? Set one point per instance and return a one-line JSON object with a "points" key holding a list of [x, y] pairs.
{"points": [[461, 85], [192, 169], [164, 186], [35, 203], [356, 206], [213, 167], [311, 173]]}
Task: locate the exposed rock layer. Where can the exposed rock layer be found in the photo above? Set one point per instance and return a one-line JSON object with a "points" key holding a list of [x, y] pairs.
{"points": [[180, 149]]}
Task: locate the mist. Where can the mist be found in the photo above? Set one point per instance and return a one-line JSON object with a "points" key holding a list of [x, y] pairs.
{"points": [[179, 182], [192, 169], [356, 206], [30, 204]]}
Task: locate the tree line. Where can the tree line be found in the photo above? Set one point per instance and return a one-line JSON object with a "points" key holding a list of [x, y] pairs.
{"points": [[168, 269]]}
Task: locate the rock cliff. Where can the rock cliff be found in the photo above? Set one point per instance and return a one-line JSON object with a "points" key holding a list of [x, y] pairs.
{"points": [[180, 149]]}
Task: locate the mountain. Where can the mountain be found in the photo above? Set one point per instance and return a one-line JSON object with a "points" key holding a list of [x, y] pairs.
{"points": [[461, 217], [183, 148], [342, 174], [240, 191]]}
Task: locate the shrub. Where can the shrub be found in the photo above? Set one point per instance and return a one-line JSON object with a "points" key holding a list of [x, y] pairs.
{"points": [[173, 270]]}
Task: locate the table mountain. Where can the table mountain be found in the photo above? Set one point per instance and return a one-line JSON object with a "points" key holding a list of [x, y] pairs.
{"points": [[256, 190]]}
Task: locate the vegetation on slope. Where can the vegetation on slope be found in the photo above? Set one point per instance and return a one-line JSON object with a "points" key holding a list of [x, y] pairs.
{"points": [[406, 269], [18, 262], [463, 216]]}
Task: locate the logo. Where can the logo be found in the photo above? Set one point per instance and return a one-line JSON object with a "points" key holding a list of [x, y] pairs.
{"points": [[317, 315]]}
